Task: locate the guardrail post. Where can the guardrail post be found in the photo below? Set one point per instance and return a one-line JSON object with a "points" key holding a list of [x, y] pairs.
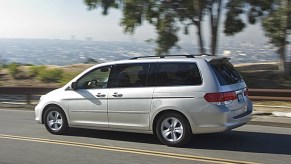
{"points": [[28, 99]]}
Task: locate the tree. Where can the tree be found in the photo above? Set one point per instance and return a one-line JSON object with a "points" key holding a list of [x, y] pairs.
{"points": [[276, 26], [167, 37], [105, 4], [167, 16], [215, 12], [233, 22], [159, 15], [275, 16]]}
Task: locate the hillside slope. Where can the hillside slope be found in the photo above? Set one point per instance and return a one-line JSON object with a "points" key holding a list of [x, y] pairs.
{"points": [[256, 75]]}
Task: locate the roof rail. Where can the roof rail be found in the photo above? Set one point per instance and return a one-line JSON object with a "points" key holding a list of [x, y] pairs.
{"points": [[163, 56]]}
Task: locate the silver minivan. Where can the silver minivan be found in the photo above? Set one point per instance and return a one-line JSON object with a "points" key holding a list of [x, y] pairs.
{"points": [[172, 97]]}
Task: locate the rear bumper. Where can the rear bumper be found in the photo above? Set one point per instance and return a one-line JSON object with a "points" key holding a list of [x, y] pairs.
{"points": [[223, 121]]}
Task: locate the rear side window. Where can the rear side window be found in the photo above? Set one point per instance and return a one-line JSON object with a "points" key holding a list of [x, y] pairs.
{"points": [[129, 75], [226, 73], [178, 74]]}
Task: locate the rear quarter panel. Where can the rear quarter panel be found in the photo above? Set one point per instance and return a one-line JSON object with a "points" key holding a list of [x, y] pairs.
{"points": [[188, 100]]}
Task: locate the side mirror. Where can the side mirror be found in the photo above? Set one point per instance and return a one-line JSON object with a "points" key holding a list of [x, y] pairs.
{"points": [[74, 85]]}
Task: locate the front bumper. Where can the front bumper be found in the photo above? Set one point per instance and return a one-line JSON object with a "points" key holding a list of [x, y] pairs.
{"points": [[38, 117]]}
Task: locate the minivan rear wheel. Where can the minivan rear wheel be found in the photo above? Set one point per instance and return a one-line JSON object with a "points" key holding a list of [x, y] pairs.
{"points": [[173, 129], [55, 120]]}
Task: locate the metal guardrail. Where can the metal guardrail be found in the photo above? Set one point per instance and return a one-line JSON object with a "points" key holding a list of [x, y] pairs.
{"points": [[270, 94], [29, 93]]}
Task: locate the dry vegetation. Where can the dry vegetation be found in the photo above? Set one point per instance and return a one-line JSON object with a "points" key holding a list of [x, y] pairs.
{"points": [[258, 75], [264, 75], [24, 77]]}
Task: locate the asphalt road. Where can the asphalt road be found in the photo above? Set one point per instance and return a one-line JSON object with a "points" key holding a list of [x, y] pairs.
{"points": [[24, 141]]}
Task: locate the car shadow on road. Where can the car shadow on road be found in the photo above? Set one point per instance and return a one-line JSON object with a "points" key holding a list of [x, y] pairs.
{"points": [[239, 141], [113, 135]]}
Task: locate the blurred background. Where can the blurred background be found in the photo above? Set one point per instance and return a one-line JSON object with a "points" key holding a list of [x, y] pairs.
{"points": [[46, 43]]}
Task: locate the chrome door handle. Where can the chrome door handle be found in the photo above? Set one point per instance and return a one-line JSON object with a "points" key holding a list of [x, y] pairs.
{"points": [[116, 94], [100, 95]]}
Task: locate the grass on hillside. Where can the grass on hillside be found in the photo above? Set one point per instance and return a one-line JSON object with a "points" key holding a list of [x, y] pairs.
{"points": [[264, 75], [257, 75], [41, 76]]}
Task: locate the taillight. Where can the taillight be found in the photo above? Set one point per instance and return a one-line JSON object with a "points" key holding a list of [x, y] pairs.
{"points": [[220, 96]]}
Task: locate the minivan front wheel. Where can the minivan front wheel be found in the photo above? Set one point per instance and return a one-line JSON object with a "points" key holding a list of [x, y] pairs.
{"points": [[173, 129], [55, 120]]}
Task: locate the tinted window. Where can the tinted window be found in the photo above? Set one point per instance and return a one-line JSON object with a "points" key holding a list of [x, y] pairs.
{"points": [[97, 78], [226, 73], [172, 74], [129, 75], [151, 81]]}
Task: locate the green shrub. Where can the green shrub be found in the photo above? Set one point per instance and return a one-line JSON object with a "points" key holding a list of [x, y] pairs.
{"points": [[34, 71], [13, 69], [51, 75]]}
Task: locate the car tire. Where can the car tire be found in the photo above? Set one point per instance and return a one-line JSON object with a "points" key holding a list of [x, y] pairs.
{"points": [[173, 129], [55, 120]]}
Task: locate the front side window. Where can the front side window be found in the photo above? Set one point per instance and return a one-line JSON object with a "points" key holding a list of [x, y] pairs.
{"points": [[178, 74], [97, 78], [129, 75]]}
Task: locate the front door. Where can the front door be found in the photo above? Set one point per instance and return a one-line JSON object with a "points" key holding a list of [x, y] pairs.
{"points": [[88, 102]]}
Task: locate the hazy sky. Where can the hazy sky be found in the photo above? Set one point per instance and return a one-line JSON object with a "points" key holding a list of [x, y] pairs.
{"points": [[61, 19]]}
